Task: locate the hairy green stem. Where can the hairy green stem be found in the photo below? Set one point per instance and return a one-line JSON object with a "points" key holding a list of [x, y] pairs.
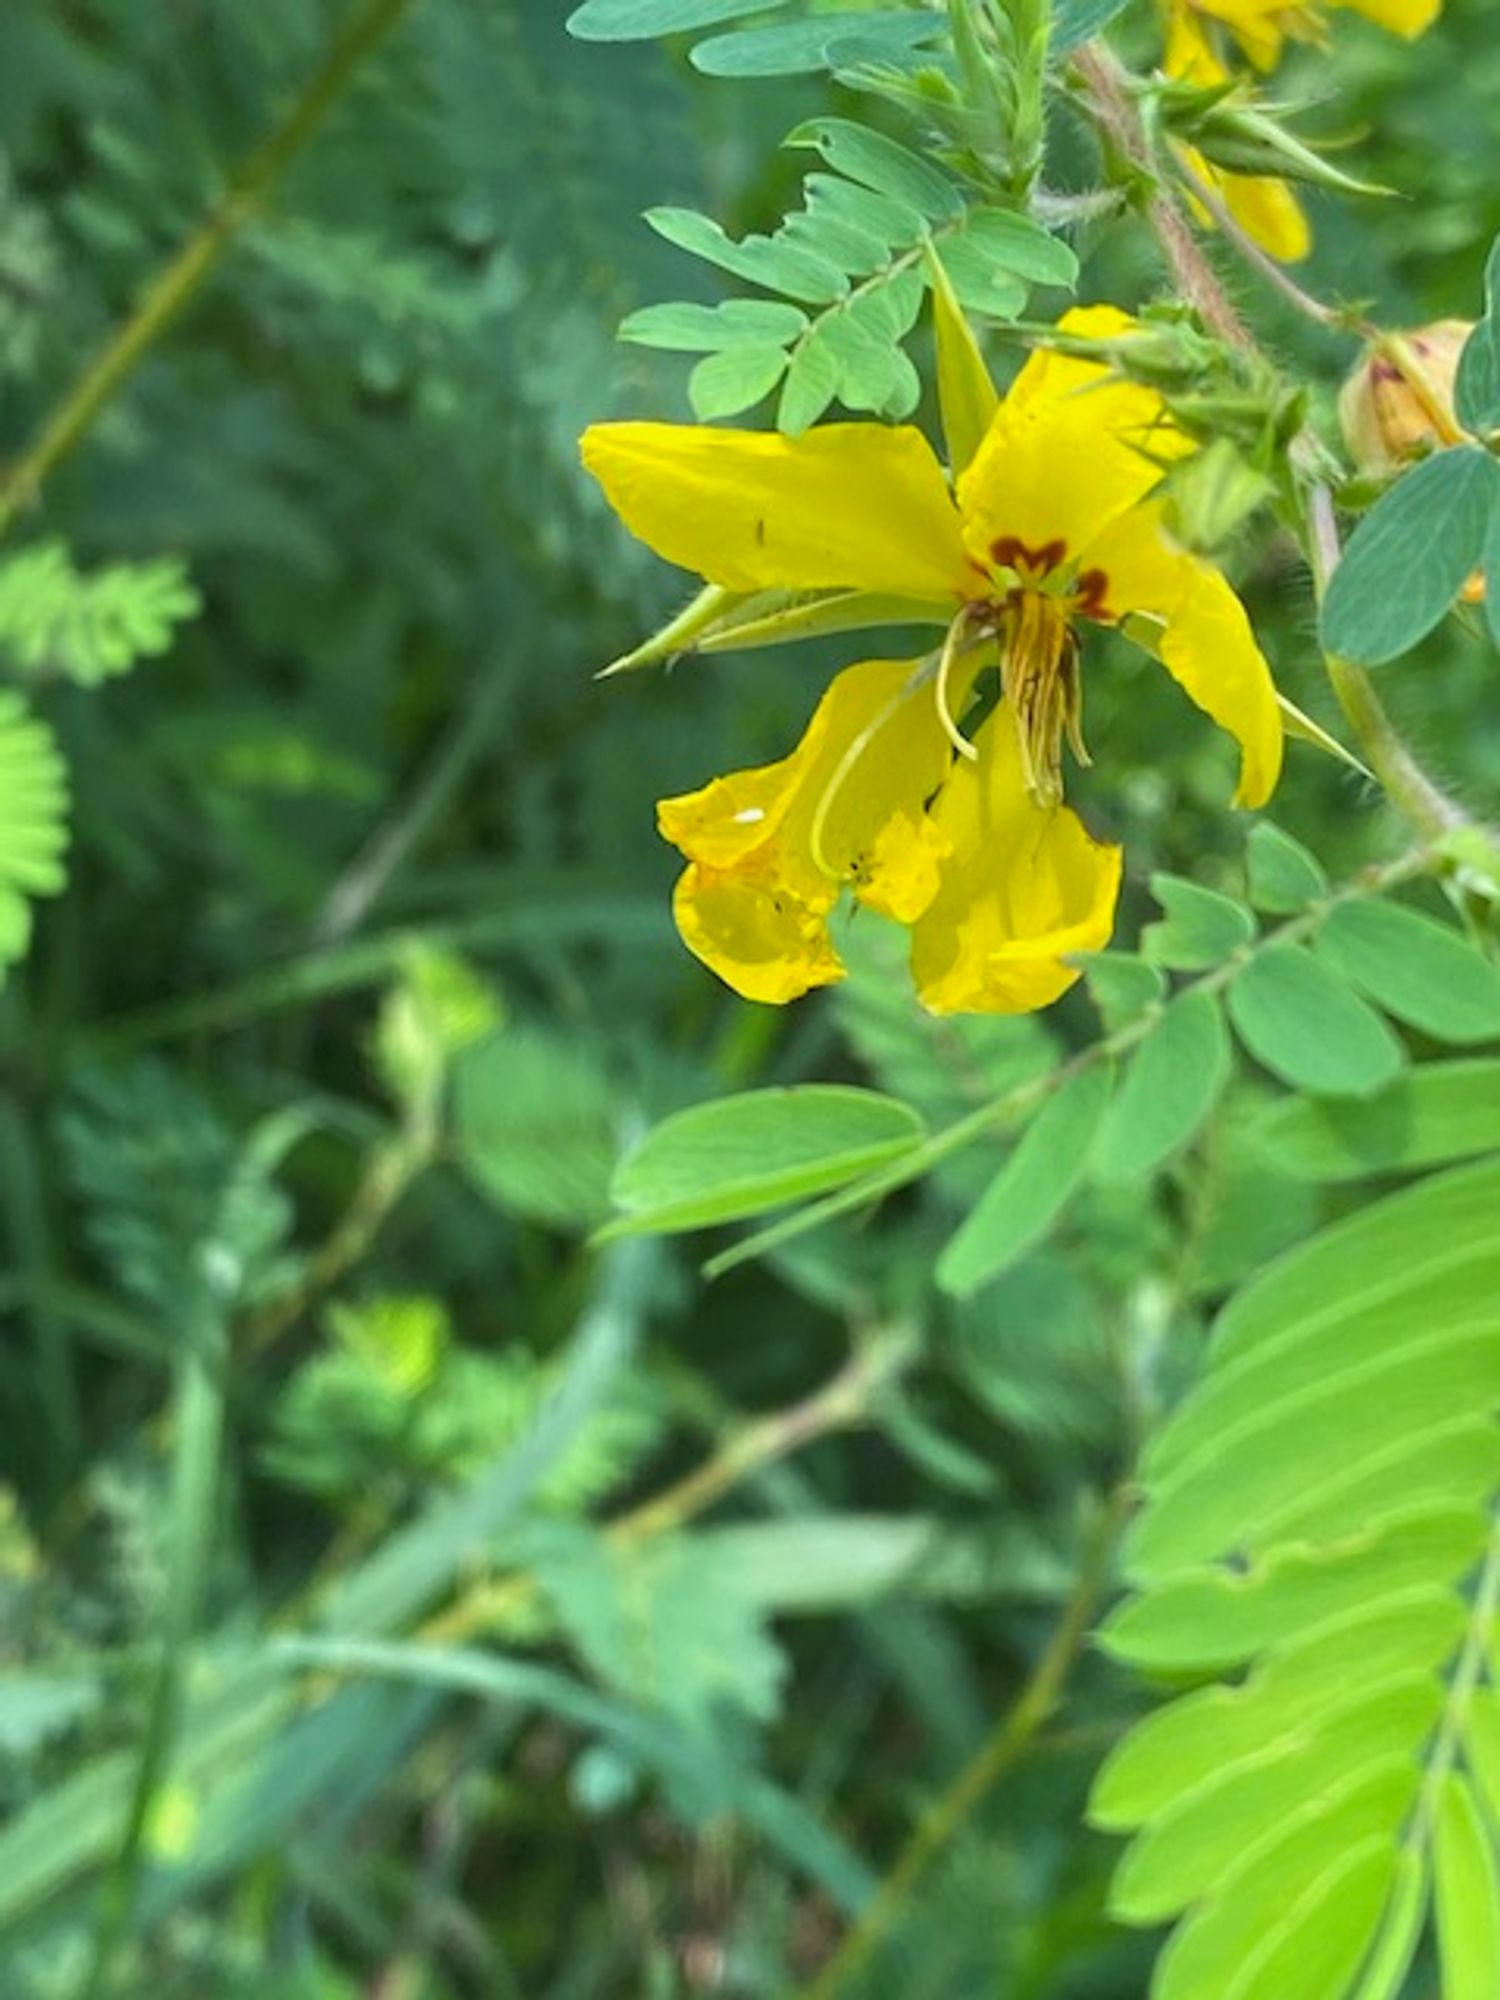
{"points": [[1414, 793], [174, 286], [1417, 796]]}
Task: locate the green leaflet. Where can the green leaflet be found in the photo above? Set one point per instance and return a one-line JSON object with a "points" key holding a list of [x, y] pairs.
{"points": [[1425, 973], [1300, 1019], [1315, 1512], [1172, 1083], [1442, 507], [1476, 389], [1200, 930], [1284, 877], [535, 1127], [1030, 1191], [1467, 1895], [640, 20], [1439, 1112], [826, 42], [742, 1155], [33, 821]]}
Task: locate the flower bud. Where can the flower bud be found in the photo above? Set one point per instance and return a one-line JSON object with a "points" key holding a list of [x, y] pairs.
{"points": [[1398, 403]]}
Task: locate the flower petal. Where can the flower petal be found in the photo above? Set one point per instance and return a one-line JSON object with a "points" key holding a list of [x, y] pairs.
{"points": [[1266, 209], [1024, 888], [758, 933], [773, 847], [1072, 447], [1403, 17], [853, 506], [1208, 646]]}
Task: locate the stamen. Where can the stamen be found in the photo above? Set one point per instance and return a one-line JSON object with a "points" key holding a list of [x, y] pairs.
{"points": [[946, 664], [1039, 673]]}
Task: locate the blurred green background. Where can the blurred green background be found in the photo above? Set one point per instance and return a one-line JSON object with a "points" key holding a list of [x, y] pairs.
{"points": [[312, 1084]]}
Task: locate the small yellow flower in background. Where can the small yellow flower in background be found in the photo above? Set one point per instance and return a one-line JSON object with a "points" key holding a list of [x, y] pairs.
{"points": [[1262, 28], [1051, 525], [1264, 207]]}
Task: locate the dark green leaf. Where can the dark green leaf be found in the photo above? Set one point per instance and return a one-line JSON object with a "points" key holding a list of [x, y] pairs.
{"points": [[1411, 555], [1425, 973], [1309, 1028], [1476, 390], [535, 1127], [1173, 1082], [1029, 1192], [743, 1155]]}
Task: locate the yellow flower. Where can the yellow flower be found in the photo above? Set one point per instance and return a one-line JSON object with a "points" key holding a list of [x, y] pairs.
{"points": [[1264, 207], [1049, 526], [1262, 28]]}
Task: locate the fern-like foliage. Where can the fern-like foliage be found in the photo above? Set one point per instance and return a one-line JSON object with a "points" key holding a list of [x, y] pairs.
{"points": [[1319, 1534], [33, 821], [89, 626], [850, 270]]}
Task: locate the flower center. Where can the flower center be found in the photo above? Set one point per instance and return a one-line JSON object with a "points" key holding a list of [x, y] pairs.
{"points": [[1040, 659]]}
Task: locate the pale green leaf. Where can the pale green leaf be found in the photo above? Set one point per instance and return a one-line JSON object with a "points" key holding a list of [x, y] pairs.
{"points": [[1423, 972], [1030, 1191], [1284, 877], [1200, 930], [1171, 1085], [883, 164], [742, 1155], [1428, 1116], [1309, 1027], [724, 384], [695, 329], [1467, 1895], [639, 20]]}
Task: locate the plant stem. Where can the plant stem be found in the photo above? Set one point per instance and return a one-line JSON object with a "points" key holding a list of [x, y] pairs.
{"points": [[842, 1403], [176, 284], [1423, 802], [1328, 317], [1415, 794], [1120, 120], [1003, 1748]]}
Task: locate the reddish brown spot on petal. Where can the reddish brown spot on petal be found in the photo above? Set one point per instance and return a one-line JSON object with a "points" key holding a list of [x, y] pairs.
{"points": [[1093, 595], [1010, 552]]}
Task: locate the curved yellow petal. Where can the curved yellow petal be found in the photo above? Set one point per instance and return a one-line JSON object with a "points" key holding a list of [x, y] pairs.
{"points": [[772, 848], [1259, 26], [1189, 54], [853, 506], [1072, 446], [1403, 17], [761, 935], [1208, 646], [1024, 888]]}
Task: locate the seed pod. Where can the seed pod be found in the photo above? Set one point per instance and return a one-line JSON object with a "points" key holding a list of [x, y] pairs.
{"points": [[1398, 403]]}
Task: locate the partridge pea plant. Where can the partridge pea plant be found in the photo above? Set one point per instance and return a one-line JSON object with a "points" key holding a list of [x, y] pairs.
{"points": [[1022, 493]]}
